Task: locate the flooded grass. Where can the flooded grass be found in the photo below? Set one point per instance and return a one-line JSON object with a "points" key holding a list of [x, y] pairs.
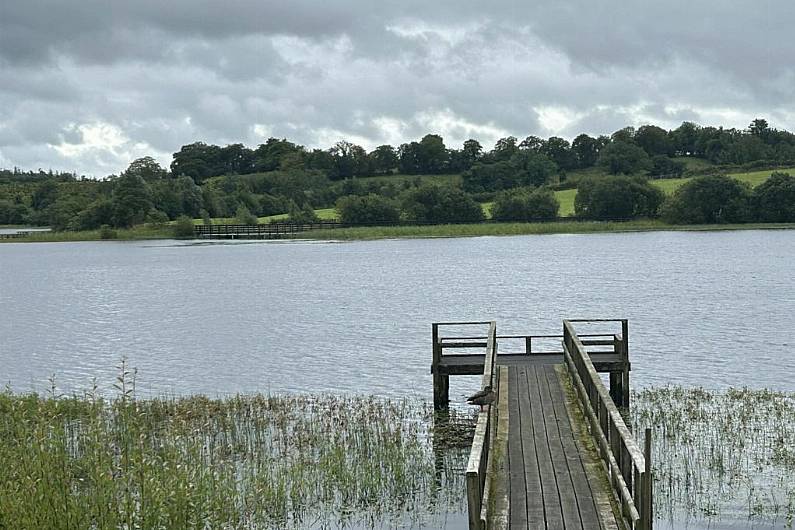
{"points": [[242, 462], [720, 458]]}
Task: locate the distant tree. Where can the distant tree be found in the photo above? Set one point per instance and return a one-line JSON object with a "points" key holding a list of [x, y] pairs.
{"points": [[525, 205], [237, 159], [654, 140], [490, 177], [472, 151], [586, 150], [370, 209], [504, 149], [774, 199], [621, 157], [131, 200], [244, 216], [97, 214], [559, 151], [13, 213], [183, 227], [189, 196], [617, 197], [684, 139], [709, 199], [626, 135], [302, 214], [198, 161], [44, 195], [348, 160], [432, 156], [384, 159], [270, 155], [532, 168], [147, 168], [533, 143], [430, 203], [662, 166], [759, 127]]}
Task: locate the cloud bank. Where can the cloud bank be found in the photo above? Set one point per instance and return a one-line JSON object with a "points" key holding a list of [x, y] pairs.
{"points": [[88, 86]]}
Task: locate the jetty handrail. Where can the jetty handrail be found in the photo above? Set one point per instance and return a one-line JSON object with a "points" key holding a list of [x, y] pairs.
{"points": [[628, 467], [480, 454]]}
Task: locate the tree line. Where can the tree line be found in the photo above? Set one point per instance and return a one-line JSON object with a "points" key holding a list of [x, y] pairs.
{"points": [[280, 176]]}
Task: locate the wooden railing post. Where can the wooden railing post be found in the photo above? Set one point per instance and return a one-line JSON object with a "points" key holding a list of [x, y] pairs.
{"points": [[648, 484], [441, 382]]}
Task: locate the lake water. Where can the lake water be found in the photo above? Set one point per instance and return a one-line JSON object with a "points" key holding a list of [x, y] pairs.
{"points": [[705, 308]]}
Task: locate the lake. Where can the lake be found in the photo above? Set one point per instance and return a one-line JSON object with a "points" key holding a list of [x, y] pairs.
{"points": [[705, 308]]}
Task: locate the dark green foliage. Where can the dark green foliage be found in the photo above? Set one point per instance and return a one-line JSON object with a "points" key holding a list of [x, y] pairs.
{"points": [[440, 204], [384, 159], [244, 217], [524, 168], [147, 168], [525, 205], [302, 214], [183, 227], [367, 209], [710, 199], [654, 140], [13, 213], [131, 200], [662, 166], [586, 149], [428, 156], [106, 232], [774, 199], [97, 214], [622, 157], [617, 197]]}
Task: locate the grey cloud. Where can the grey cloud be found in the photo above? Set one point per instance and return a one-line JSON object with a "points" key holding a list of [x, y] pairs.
{"points": [[156, 75]]}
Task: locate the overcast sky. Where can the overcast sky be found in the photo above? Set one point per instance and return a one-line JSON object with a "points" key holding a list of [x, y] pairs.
{"points": [[89, 85]]}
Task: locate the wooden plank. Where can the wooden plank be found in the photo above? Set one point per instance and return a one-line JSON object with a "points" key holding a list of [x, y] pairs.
{"points": [[516, 477], [549, 487], [534, 493], [586, 504], [568, 498]]}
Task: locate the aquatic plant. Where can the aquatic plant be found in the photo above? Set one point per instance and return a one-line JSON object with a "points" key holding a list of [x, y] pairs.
{"points": [[296, 461], [727, 456]]}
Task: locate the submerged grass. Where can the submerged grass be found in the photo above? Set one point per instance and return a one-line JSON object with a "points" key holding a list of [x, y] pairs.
{"points": [[721, 456], [242, 462]]}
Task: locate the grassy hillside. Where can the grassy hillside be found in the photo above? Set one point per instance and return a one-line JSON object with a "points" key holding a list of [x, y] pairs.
{"points": [[565, 197]]}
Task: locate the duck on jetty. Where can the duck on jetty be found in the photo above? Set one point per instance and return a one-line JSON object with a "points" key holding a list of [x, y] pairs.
{"points": [[484, 397]]}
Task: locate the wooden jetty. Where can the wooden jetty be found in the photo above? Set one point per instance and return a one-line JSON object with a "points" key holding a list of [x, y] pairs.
{"points": [[279, 230], [553, 451]]}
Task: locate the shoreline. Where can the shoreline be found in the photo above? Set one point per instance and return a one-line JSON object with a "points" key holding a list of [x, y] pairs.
{"points": [[144, 233]]}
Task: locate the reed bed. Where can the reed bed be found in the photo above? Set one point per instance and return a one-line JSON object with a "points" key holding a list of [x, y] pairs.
{"points": [[721, 456], [254, 461]]}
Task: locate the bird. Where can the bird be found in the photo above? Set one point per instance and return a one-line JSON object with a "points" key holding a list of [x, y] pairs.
{"points": [[484, 397]]}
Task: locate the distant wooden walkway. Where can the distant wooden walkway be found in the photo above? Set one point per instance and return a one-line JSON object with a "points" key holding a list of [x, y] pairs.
{"points": [[549, 487]]}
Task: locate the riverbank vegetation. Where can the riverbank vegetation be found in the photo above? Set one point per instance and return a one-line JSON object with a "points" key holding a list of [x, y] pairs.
{"points": [[426, 181]]}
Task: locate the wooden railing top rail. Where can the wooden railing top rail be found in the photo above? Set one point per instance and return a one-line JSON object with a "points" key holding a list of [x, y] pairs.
{"points": [[628, 467], [477, 465]]}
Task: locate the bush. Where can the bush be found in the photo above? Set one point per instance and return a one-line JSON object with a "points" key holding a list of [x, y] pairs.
{"points": [[617, 197], [664, 167], [525, 205], [440, 204], [709, 199], [106, 232], [244, 217], [183, 227], [774, 199], [367, 210], [302, 214], [623, 157]]}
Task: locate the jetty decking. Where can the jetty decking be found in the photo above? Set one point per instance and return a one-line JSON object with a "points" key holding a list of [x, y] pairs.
{"points": [[553, 451]]}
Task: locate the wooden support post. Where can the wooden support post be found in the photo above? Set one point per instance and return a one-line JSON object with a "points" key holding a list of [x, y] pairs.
{"points": [[616, 390], [648, 516], [528, 345], [441, 382]]}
